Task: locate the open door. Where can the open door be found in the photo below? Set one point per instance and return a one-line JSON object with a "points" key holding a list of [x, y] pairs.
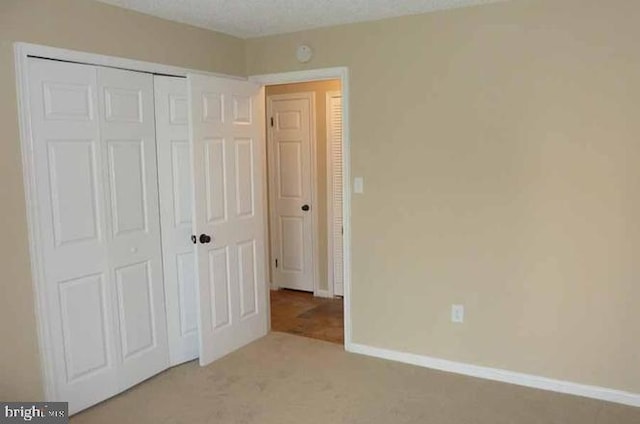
{"points": [[226, 122]]}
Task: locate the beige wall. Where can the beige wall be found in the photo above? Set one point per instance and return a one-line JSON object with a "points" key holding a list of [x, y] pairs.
{"points": [[500, 150], [320, 88], [87, 26]]}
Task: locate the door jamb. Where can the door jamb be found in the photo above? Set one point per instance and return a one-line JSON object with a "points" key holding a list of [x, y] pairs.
{"points": [[341, 73]]}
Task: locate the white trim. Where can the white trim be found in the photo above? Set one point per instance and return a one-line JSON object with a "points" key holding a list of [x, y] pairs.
{"points": [[270, 209], [495, 374], [31, 200], [330, 173], [341, 73], [22, 51], [314, 198], [26, 49], [315, 249], [323, 293], [265, 201], [301, 76]]}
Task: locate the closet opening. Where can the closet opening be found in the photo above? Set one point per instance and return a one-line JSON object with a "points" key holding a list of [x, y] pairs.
{"points": [[124, 163]]}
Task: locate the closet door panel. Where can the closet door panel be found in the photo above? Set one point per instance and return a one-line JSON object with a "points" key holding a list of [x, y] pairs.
{"points": [[73, 191], [226, 123], [127, 131], [128, 186], [176, 192], [134, 287], [73, 232], [96, 181], [84, 334]]}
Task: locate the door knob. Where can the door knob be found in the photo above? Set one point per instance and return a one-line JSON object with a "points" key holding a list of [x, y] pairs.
{"points": [[194, 239], [204, 238], [305, 207]]}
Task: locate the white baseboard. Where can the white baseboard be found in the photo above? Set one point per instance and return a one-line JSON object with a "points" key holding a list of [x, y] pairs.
{"points": [[595, 392], [322, 293]]}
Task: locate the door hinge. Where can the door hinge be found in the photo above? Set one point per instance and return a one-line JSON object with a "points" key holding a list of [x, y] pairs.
{"points": [[342, 230], [272, 121], [276, 263]]}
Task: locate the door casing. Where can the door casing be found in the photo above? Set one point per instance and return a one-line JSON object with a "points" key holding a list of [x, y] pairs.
{"points": [[341, 73]]}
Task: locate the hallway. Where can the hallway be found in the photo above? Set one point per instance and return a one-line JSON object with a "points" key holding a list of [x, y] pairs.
{"points": [[302, 314]]}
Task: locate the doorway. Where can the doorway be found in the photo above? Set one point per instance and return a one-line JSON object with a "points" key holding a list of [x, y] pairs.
{"points": [[304, 155]]}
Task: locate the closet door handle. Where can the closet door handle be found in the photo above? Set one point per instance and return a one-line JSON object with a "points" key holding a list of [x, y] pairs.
{"points": [[193, 239], [305, 207], [205, 238]]}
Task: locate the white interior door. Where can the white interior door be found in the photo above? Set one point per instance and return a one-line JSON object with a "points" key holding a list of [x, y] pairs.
{"points": [[68, 167], [226, 118], [290, 188], [95, 176], [174, 164], [334, 184], [128, 145]]}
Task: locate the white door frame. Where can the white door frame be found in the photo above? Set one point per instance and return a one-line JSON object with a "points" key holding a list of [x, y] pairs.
{"points": [[315, 250], [341, 73], [330, 173], [22, 51]]}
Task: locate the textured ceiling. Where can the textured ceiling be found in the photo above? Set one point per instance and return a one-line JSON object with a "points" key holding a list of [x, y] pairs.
{"points": [[255, 18]]}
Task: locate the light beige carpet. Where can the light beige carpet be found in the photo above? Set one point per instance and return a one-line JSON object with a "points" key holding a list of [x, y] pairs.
{"points": [[286, 379]]}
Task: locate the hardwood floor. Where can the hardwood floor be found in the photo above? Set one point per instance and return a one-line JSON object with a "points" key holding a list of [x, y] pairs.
{"points": [[300, 313]]}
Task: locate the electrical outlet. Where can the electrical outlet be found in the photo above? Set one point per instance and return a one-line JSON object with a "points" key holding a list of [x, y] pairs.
{"points": [[457, 314]]}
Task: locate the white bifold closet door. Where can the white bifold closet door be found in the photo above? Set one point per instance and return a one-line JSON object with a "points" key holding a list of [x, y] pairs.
{"points": [[227, 120], [94, 157], [113, 171], [176, 191]]}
